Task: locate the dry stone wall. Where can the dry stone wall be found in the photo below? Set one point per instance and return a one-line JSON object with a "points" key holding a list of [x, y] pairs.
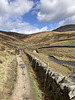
{"points": [[55, 85]]}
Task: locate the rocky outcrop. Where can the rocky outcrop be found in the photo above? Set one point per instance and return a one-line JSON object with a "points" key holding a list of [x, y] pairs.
{"points": [[55, 85]]}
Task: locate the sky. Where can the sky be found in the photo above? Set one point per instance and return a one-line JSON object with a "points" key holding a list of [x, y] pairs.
{"points": [[32, 16]]}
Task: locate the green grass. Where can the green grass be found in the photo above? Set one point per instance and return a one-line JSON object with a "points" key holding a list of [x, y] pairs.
{"points": [[60, 69], [35, 88], [34, 85]]}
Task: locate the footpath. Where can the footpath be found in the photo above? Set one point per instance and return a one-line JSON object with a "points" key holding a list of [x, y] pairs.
{"points": [[23, 89]]}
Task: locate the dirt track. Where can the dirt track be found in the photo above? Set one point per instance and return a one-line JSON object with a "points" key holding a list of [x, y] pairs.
{"points": [[23, 89]]}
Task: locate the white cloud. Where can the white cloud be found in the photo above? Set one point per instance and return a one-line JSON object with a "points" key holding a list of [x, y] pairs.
{"points": [[53, 10], [26, 28], [22, 27], [14, 9], [11, 13], [70, 20]]}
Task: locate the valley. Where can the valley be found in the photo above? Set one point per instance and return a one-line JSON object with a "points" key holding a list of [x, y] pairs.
{"points": [[44, 52]]}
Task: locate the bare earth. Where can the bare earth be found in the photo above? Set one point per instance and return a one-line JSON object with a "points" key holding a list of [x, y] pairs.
{"points": [[23, 89]]}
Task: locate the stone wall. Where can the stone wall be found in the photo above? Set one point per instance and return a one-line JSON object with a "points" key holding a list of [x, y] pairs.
{"points": [[55, 85]]}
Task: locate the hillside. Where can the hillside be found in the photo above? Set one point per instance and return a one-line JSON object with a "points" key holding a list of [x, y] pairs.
{"points": [[14, 34], [43, 41], [52, 38], [9, 46], [56, 50], [54, 46], [10, 40], [66, 28], [59, 44], [8, 64]]}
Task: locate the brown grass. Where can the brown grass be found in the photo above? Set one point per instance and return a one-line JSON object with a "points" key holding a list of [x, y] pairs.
{"points": [[8, 72], [61, 69], [67, 54]]}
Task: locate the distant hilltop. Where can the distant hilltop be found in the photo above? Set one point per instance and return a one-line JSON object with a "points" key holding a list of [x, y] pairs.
{"points": [[14, 34], [66, 28]]}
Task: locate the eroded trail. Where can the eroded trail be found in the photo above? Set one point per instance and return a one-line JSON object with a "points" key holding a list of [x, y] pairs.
{"points": [[23, 89]]}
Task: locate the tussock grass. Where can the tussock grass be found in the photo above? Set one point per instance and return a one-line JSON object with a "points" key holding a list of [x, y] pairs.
{"points": [[8, 72], [49, 38], [60, 69], [74, 76], [67, 54], [72, 69]]}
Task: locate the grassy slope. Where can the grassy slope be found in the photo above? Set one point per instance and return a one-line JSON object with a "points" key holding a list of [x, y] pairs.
{"points": [[35, 41], [8, 65], [8, 72], [51, 38], [14, 34], [66, 28], [55, 39], [46, 39], [61, 69], [11, 41]]}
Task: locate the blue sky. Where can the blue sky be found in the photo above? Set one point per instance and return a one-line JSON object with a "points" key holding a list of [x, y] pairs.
{"points": [[32, 16]]}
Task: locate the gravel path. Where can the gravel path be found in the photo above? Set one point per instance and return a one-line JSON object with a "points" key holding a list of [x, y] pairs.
{"points": [[23, 89]]}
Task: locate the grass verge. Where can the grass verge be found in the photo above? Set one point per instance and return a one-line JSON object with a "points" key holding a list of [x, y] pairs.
{"points": [[33, 82], [8, 74]]}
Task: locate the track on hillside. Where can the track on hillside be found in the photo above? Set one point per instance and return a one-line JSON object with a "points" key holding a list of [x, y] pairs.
{"points": [[23, 89]]}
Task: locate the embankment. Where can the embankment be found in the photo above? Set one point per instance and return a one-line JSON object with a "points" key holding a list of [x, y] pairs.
{"points": [[54, 85], [8, 73]]}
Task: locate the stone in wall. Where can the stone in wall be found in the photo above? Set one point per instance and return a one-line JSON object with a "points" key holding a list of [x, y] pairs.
{"points": [[57, 86]]}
